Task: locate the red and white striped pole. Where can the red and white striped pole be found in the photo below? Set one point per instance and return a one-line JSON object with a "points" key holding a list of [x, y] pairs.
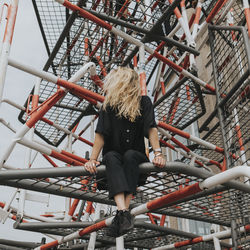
{"points": [[30, 123], [210, 17], [181, 152], [219, 235], [142, 72], [181, 70], [195, 28], [10, 213], [4, 7], [66, 131], [186, 149], [5, 45], [197, 18], [70, 86], [54, 152], [184, 24], [190, 137], [55, 125]]}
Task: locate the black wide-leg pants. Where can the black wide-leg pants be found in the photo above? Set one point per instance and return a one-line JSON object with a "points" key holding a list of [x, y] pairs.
{"points": [[123, 171]]}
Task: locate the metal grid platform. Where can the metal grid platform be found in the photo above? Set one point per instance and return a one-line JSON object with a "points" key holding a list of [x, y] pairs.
{"points": [[206, 207], [214, 205]]}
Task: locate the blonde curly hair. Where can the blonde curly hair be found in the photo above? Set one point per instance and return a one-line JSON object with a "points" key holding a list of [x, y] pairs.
{"points": [[123, 92]]}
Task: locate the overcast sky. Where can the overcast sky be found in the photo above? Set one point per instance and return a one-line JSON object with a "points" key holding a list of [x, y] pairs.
{"points": [[27, 47]]}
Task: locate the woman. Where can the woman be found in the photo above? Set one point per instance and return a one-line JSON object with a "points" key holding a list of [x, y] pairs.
{"points": [[125, 118]]}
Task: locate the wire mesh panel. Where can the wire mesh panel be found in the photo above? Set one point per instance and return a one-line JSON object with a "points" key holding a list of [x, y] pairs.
{"points": [[214, 208], [215, 137], [238, 13], [52, 25], [231, 62], [142, 238], [240, 210], [236, 10], [230, 58], [181, 105]]}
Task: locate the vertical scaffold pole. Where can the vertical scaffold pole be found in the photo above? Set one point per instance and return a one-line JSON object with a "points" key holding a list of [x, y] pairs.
{"points": [[6, 43], [142, 72]]}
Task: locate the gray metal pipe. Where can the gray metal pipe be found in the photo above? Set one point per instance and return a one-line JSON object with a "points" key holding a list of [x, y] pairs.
{"points": [[19, 243], [173, 167], [51, 225]]}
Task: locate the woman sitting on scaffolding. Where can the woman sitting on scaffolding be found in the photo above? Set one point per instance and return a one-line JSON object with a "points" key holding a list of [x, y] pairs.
{"points": [[125, 118]]}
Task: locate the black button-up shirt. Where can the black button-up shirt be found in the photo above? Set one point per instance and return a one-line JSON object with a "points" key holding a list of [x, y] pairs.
{"points": [[120, 134]]}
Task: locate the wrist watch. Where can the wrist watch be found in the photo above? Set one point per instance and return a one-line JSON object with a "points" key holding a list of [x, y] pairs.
{"points": [[157, 150]]}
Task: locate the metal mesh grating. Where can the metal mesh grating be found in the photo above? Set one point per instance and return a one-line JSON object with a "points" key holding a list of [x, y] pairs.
{"points": [[231, 62], [240, 210], [237, 126], [230, 58], [214, 136], [215, 208], [181, 105], [237, 11], [145, 238], [205, 207]]}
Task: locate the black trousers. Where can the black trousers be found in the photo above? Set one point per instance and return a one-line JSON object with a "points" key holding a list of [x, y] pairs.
{"points": [[123, 171]]}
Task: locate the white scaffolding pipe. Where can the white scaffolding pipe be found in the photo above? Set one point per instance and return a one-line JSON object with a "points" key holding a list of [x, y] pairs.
{"points": [[22, 197], [119, 243], [10, 102], [4, 214], [55, 125], [8, 125], [225, 176], [216, 243], [6, 44], [92, 239]]}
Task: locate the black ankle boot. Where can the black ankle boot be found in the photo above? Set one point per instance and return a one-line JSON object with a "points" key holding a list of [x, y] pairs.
{"points": [[113, 229], [126, 222]]}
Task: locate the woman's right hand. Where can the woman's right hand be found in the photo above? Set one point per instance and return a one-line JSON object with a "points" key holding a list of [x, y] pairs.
{"points": [[90, 166]]}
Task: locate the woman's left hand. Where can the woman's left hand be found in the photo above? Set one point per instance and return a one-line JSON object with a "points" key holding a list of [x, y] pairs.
{"points": [[159, 161]]}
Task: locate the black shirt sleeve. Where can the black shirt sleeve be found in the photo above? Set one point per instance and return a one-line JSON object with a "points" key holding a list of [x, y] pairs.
{"points": [[104, 124], [148, 115]]}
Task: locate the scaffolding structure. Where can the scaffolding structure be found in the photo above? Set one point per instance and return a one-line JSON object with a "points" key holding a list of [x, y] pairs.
{"points": [[193, 59]]}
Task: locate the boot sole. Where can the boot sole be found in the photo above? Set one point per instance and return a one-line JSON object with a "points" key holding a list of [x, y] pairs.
{"points": [[127, 230]]}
